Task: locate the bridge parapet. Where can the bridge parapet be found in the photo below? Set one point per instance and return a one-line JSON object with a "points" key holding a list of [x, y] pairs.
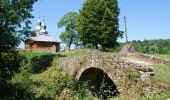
{"points": [[77, 63], [113, 65]]}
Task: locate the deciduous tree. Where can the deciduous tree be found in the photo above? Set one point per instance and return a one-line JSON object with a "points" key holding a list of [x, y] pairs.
{"points": [[98, 23], [69, 21], [14, 26]]}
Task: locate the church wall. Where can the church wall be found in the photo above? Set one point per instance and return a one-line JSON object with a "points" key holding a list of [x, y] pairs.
{"points": [[28, 44], [43, 46]]}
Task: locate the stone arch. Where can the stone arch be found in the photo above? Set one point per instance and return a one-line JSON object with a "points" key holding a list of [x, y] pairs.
{"points": [[98, 81]]}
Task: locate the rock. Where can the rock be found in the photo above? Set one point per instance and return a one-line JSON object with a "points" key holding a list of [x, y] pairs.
{"points": [[146, 75]]}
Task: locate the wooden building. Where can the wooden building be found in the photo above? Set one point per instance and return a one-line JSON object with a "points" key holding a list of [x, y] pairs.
{"points": [[127, 47], [42, 41]]}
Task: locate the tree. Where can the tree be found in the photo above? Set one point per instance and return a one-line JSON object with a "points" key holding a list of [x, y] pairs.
{"points": [[98, 23], [14, 26], [69, 36]]}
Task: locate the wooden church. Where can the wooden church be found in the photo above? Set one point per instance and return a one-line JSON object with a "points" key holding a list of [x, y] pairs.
{"points": [[42, 41]]}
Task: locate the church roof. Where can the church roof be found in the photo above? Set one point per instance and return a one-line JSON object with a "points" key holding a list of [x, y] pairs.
{"points": [[44, 38], [128, 48]]}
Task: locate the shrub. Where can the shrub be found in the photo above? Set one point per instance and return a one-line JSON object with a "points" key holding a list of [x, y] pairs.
{"points": [[133, 74]]}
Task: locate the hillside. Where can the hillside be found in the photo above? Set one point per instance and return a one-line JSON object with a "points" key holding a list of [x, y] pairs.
{"points": [[41, 77]]}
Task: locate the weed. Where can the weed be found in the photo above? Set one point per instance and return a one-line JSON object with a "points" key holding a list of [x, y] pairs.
{"points": [[133, 74]]}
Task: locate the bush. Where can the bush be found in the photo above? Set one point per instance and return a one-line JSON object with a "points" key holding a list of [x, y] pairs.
{"points": [[53, 87]]}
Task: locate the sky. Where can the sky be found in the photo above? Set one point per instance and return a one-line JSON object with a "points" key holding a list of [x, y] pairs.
{"points": [[146, 19]]}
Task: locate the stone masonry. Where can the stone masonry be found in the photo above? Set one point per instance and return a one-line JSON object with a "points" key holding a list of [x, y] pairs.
{"points": [[112, 65]]}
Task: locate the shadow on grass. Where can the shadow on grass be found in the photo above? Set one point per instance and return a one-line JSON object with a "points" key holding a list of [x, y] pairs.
{"points": [[42, 62]]}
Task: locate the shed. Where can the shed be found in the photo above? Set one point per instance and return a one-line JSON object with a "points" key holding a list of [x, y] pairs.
{"points": [[128, 48]]}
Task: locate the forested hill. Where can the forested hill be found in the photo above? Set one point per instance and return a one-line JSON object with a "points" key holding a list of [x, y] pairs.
{"points": [[159, 46]]}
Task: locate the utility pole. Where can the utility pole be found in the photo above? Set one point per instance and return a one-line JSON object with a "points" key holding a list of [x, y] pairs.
{"points": [[125, 29]]}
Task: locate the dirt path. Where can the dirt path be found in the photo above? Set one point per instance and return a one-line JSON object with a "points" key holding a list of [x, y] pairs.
{"points": [[136, 60]]}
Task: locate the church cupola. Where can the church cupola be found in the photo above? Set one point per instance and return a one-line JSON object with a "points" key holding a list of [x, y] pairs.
{"points": [[43, 25], [43, 28], [38, 27]]}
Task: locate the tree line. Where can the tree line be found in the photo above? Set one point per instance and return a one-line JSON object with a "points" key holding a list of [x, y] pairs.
{"points": [[159, 46]]}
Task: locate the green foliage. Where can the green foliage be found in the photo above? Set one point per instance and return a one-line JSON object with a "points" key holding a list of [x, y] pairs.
{"points": [[69, 21], [53, 86], [133, 74], [162, 80], [163, 56], [37, 62], [163, 95], [98, 23], [47, 84], [14, 26], [9, 65], [14, 22], [161, 77], [21, 80], [116, 49], [51, 82], [159, 46], [107, 91]]}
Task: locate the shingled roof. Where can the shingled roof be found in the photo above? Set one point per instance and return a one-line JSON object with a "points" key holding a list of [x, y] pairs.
{"points": [[43, 38], [128, 48]]}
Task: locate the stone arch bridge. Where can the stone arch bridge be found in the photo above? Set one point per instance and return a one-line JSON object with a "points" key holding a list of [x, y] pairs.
{"points": [[98, 69]]}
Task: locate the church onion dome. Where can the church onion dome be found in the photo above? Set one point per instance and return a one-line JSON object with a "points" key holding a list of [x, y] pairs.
{"points": [[43, 28], [38, 27], [43, 23]]}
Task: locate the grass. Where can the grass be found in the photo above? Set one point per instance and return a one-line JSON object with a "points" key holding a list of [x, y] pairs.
{"points": [[82, 53], [31, 54], [50, 81], [133, 74], [53, 71], [162, 80], [165, 56], [44, 83], [162, 75]]}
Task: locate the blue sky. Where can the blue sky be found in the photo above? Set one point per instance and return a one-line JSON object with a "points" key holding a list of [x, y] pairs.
{"points": [[146, 19]]}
